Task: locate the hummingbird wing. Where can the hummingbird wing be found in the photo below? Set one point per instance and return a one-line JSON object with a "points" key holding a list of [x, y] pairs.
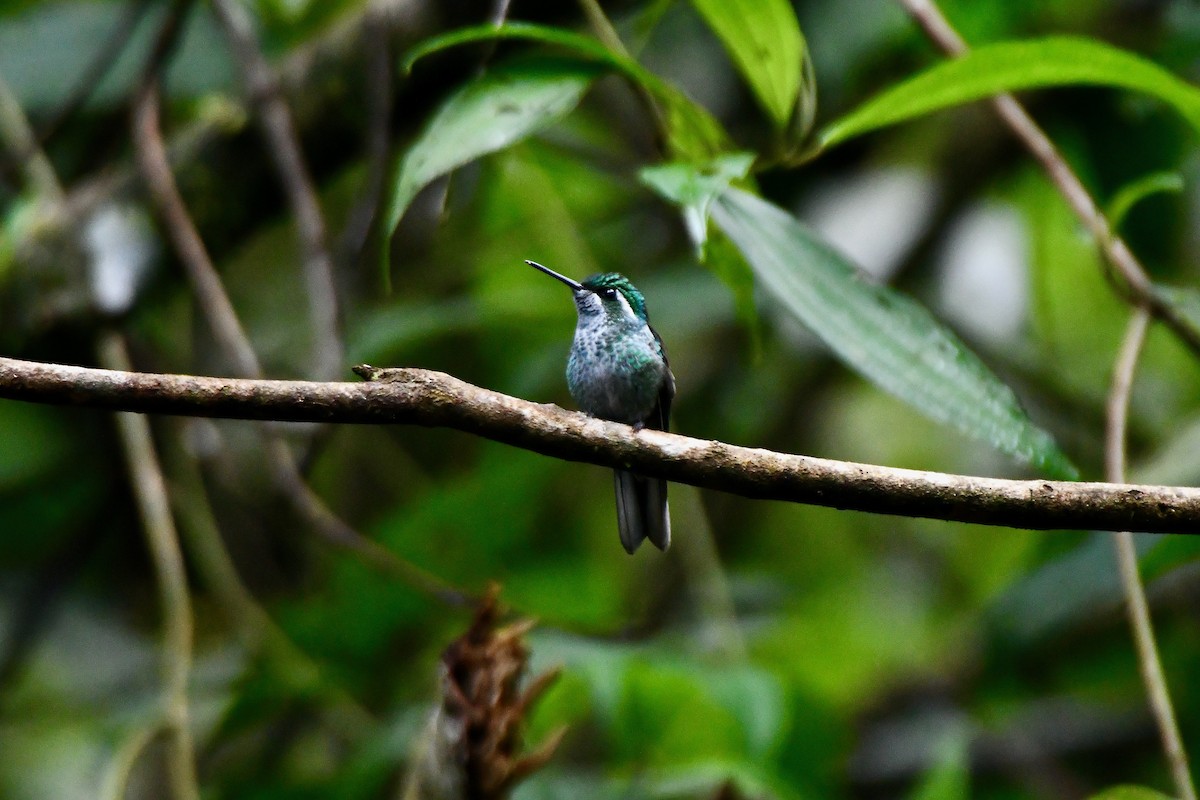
{"points": [[660, 416]]}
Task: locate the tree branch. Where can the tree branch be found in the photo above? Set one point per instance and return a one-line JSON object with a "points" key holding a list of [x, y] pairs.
{"points": [[1136, 605], [1136, 281], [434, 399], [283, 147], [218, 311]]}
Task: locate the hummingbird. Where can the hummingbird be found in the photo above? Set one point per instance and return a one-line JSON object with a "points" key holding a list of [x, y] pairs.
{"points": [[618, 370]]}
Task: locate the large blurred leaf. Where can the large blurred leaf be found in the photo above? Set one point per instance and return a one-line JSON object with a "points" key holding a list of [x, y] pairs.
{"points": [[1013, 66], [887, 337], [33, 441], [1130, 793], [689, 131], [950, 777], [490, 113], [755, 698], [1063, 592], [1070, 295], [764, 40]]}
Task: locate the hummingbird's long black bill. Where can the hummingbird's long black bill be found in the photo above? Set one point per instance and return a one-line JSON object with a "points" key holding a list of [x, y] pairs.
{"points": [[576, 285]]}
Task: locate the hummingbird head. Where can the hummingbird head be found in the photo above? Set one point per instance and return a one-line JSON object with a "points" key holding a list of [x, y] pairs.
{"points": [[608, 296], [617, 295]]}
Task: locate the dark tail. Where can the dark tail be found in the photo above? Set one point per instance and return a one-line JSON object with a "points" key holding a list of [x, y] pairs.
{"points": [[642, 511]]}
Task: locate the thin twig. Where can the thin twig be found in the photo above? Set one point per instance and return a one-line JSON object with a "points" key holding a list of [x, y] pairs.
{"points": [[1139, 289], [206, 284], [496, 19], [90, 79], [434, 399], [150, 491], [1135, 593], [116, 776], [499, 12], [98, 68], [255, 629], [378, 90], [296, 68], [332, 528], [222, 318], [283, 146], [22, 145], [606, 32], [1137, 282]]}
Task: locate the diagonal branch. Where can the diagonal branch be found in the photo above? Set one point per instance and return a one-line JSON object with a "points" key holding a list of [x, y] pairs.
{"points": [[206, 285], [283, 147], [218, 311], [1136, 281], [434, 399]]}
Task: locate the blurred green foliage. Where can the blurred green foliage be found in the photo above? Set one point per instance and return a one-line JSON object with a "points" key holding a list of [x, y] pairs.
{"points": [[776, 650]]}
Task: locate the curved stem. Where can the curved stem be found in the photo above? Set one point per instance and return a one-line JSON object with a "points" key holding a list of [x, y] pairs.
{"points": [[1137, 608], [206, 284], [218, 311], [283, 147], [23, 146], [116, 777], [150, 491]]}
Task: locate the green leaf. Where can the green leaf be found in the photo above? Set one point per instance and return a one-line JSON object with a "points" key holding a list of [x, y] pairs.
{"points": [[755, 698], [764, 41], [689, 130], [19, 223], [694, 189], [34, 443], [577, 43], [1014, 66], [1130, 793], [1133, 193], [490, 113], [884, 335], [1169, 553], [950, 777]]}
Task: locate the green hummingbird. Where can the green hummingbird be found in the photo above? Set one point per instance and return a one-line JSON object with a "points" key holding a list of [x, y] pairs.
{"points": [[618, 370]]}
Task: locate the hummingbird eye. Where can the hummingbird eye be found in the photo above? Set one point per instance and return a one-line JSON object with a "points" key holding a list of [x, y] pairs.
{"points": [[609, 294]]}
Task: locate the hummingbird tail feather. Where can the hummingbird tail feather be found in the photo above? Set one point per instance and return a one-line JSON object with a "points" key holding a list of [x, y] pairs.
{"points": [[656, 513], [641, 510], [629, 516]]}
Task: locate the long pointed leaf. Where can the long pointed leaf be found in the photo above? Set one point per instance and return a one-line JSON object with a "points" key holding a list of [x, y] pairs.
{"points": [[488, 114], [888, 338], [764, 41], [1014, 66], [690, 131]]}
